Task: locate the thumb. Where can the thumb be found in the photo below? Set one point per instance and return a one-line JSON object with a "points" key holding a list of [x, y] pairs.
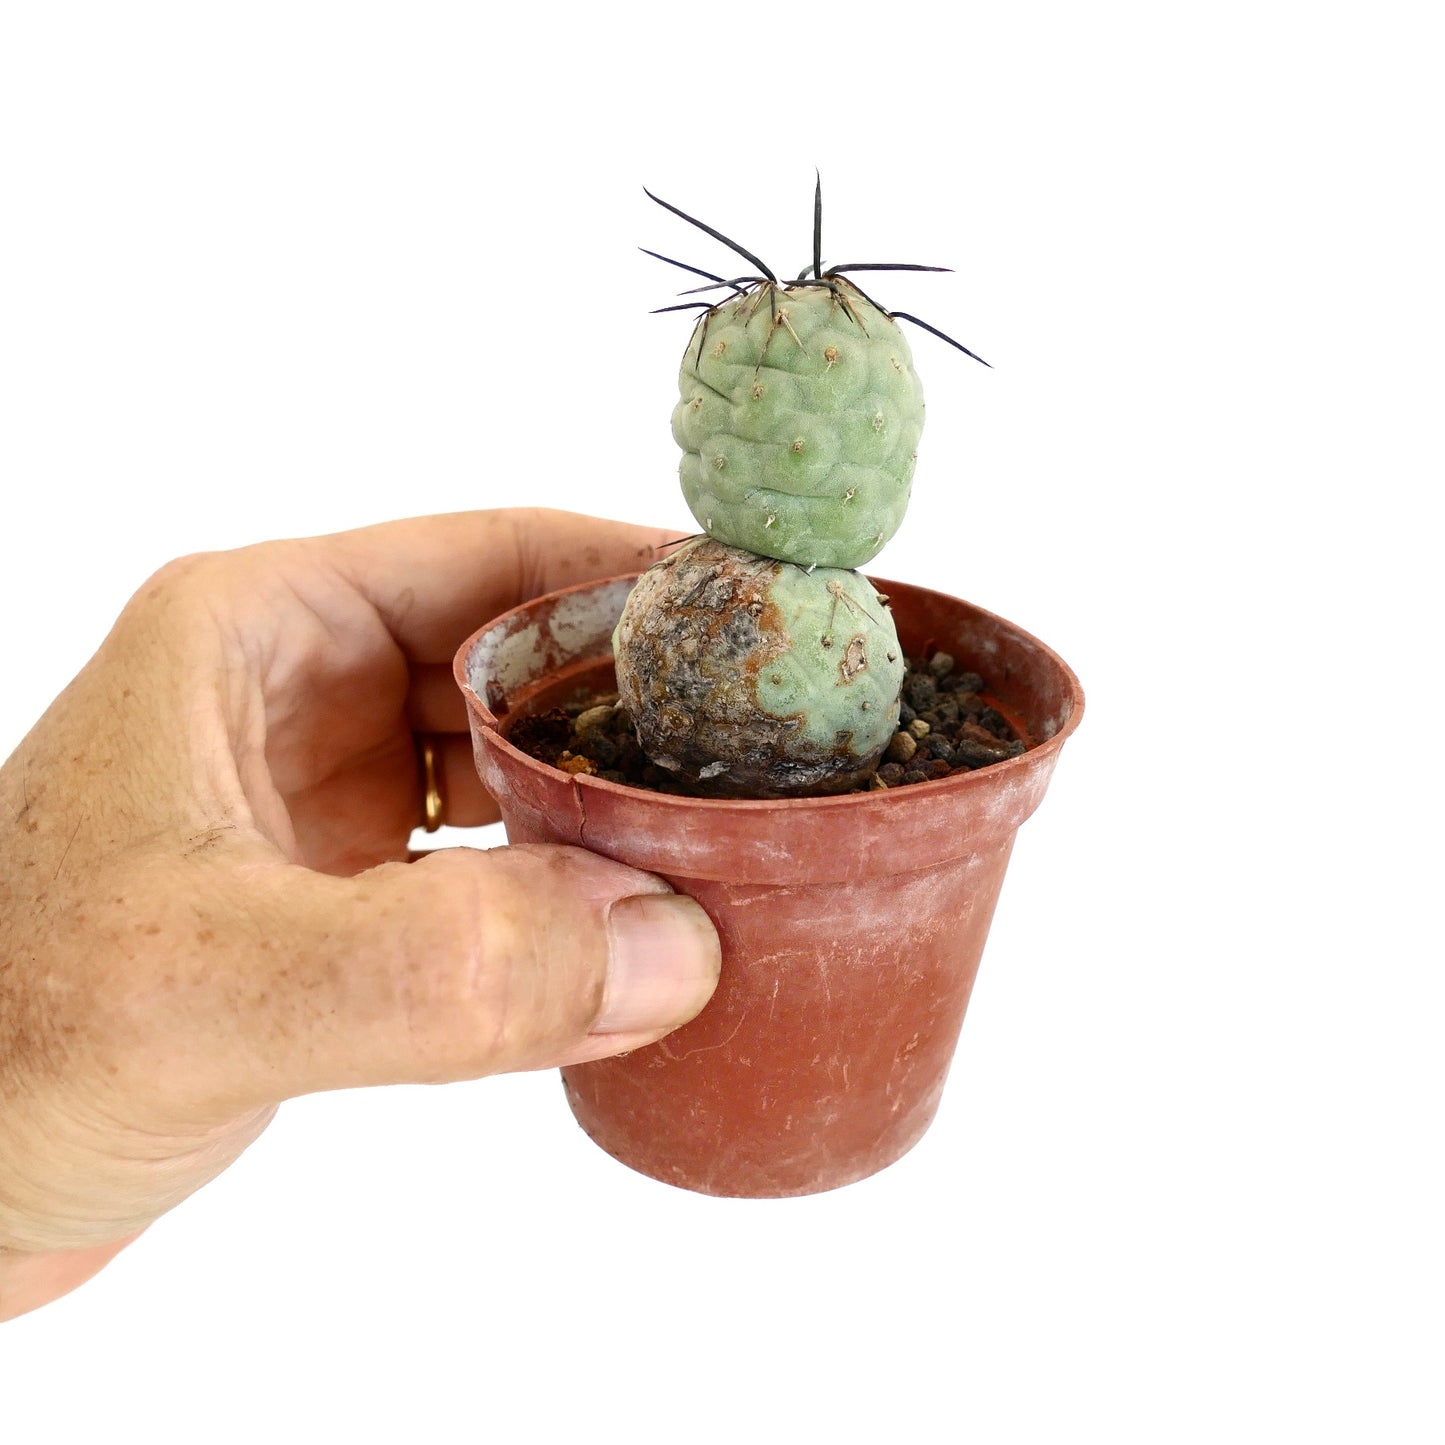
{"points": [[462, 964]]}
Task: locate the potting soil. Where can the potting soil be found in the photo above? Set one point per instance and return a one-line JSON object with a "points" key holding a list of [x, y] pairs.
{"points": [[946, 725]]}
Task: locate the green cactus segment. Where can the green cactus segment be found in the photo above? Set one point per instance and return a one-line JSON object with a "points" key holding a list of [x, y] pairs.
{"points": [[841, 676], [799, 418], [749, 677]]}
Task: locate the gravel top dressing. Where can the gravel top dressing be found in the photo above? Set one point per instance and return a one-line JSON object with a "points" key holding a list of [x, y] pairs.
{"points": [[946, 725]]}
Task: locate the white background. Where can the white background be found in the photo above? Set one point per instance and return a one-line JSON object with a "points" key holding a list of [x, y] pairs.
{"points": [[271, 269]]}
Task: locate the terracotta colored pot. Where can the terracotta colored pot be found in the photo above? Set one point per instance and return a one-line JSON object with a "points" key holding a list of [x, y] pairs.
{"points": [[852, 926]]}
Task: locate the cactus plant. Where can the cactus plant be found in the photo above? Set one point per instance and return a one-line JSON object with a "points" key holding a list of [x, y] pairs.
{"points": [[799, 420], [757, 662], [756, 678]]}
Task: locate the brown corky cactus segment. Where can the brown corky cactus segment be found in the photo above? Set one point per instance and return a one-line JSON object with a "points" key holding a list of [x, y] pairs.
{"points": [[749, 677]]}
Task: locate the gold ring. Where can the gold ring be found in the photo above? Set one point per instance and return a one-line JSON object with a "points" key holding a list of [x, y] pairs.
{"points": [[431, 793]]}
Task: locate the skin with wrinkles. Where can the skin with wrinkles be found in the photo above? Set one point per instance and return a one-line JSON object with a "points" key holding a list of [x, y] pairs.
{"points": [[206, 906]]}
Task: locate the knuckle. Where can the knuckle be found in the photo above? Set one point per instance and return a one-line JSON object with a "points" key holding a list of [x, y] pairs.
{"points": [[170, 600], [496, 976], [178, 575]]}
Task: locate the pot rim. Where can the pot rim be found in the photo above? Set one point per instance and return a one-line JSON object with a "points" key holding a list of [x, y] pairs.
{"points": [[979, 777]]}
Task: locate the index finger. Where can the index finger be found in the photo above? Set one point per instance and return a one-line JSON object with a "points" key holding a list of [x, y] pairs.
{"points": [[435, 580]]}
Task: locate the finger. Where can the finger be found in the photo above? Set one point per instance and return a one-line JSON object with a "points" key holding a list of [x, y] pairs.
{"points": [[461, 965], [435, 703], [465, 802], [435, 580]]}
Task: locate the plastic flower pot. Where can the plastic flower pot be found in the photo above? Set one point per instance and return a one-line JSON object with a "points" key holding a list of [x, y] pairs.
{"points": [[852, 926]]}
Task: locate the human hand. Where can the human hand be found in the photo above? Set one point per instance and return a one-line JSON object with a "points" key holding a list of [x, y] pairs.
{"points": [[205, 906]]}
